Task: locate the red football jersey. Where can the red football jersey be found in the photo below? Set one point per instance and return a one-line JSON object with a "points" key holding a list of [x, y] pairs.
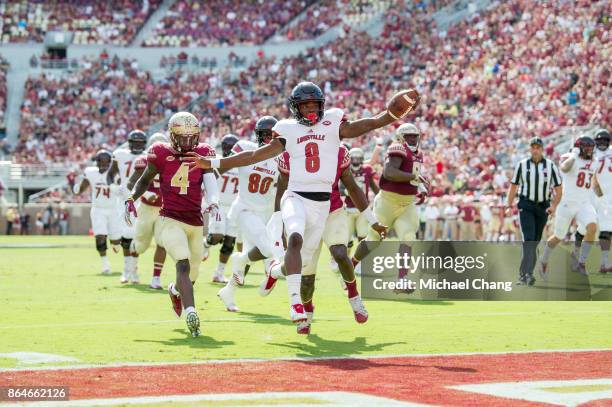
{"points": [[140, 164], [181, 189], [343, 162], [363, 177], [409, 161]]}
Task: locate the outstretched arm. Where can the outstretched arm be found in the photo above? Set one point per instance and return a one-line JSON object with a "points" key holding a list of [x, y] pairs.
{"points": [[239, 160], [356, 128], [281, 187], [392, 171], [143, 182]]}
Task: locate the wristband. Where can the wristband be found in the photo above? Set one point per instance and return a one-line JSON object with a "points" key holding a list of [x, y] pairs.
{"points": [[215, 163], [370, 216]]}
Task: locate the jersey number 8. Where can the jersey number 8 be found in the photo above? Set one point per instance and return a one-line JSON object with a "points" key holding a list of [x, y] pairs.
{"points": [[313, 162]]}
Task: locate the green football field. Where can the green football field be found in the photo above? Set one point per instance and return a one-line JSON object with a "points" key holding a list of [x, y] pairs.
{"points": [[54, 300]]}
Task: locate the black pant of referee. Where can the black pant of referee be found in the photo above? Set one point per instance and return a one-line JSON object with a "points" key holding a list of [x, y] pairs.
{"points": [[533, 218], [535, 177]]}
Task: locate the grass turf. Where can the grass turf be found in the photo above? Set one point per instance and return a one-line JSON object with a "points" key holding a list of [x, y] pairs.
{"points": [[53, 300]]}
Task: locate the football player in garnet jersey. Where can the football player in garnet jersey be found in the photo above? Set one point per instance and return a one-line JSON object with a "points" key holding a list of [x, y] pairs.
{"points": [[312, 138], [147, 223], [364, 176], [103, 205], [123, 166], [335, 237], [181, 221], [402, 187]]}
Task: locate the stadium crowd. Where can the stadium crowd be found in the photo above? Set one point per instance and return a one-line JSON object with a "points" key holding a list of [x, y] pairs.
{"points": [[476, 113], [223, 22], [92, 22]]}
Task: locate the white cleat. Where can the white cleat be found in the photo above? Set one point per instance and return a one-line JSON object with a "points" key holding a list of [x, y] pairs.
{"points": [[238, 266], [226, 294], [193, 324], [134, 279], [219, 278], [297, 313], [268, 283], [361, 314], [156, 283], [303, 327], [125, 277]]}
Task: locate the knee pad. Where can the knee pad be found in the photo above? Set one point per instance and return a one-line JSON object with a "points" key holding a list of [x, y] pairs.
{"points": [[605, 235], [101, 245], [125, 243], [579, 236], [227, 247]]}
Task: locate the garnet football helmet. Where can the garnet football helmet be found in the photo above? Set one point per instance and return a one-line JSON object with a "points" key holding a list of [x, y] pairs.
{"points": [[137, 141], [602, 139], [585, 145], [263, 129], [306, 92], [227, 143], [184, 131], [410, 134]]}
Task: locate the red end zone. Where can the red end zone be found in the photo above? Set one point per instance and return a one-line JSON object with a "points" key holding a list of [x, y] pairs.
{"points": [[416, 379]]}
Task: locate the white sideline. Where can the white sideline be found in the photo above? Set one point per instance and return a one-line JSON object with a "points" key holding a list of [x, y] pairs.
{"points": [[323, 318], [302, 359]]}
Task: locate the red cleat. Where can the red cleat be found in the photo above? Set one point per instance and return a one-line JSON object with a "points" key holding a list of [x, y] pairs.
{"points": [[303, 328], [177, 304], [297, 312]]}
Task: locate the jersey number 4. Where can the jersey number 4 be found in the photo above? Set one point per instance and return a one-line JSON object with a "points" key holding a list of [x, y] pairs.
{"points": [[257, 184], [313, 162], [180, 179]]}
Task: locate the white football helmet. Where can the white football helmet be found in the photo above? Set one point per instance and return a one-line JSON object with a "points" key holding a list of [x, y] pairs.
{"points": [[357, 156], [408, 129], [157, 138], [184, 131]]}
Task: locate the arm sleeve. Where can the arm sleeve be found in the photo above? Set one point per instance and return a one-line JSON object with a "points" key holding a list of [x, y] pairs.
{"points": [[212, 188]]}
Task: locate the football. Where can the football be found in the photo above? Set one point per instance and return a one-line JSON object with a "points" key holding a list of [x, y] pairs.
{"points": [[403, 103]]}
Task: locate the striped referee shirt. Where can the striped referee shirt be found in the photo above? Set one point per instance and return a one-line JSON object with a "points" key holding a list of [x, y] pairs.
{"points": [[536, 180]]}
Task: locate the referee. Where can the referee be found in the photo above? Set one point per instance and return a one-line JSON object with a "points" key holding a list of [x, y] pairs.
{"points": [[534, 178]]}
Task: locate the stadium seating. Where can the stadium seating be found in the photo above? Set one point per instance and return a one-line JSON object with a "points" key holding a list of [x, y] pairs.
{"points": [[3, 90], [223, 22], [93, 22]]}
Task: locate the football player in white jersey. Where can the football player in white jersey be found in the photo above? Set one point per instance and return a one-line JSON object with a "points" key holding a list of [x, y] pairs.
{"points": [[578, 170], [252, 211], [602, 147], [103, 205], [147, 222], [603, 188], [123, 167], [312, 138], [219, 230]]}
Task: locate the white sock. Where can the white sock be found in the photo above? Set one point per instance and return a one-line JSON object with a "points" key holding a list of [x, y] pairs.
{"points": [[220, 268], [127, 264], [294, 282], [173, 289], [189, 309], [134, 261], [604, 258], [104, 260], [584, 252]]}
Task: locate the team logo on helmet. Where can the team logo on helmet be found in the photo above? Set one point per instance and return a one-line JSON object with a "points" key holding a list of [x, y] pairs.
{"points": [[184, 131]]}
